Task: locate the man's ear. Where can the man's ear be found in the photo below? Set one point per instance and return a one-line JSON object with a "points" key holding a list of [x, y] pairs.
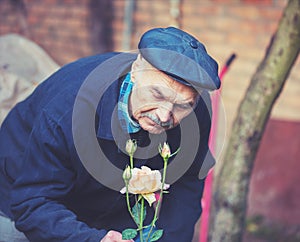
{"points": [[138, 61], [140, 64], [136, 66]]}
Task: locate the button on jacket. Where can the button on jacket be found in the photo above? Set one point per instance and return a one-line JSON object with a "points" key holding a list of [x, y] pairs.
{"points": [[47, 191]]}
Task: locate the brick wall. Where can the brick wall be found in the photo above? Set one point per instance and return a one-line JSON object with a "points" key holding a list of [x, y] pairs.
{"points": [[67, 30]]}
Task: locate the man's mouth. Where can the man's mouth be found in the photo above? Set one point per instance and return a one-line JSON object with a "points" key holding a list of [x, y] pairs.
{"points": [[153, 118]]}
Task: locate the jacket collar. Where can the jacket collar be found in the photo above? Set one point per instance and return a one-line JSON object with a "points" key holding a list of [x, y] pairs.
{"points": [[107, 122], [107, 111]]}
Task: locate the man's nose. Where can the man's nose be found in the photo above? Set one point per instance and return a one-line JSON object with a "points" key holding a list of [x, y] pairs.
{"points": [[164, 113]]}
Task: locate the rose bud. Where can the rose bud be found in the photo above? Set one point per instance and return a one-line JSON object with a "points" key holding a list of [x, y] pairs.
{"points": [[131, 146], [127, 174], [165, 151]]}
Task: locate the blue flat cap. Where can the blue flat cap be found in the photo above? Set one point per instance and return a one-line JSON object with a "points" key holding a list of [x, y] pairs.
{"points": [[181, 56]]}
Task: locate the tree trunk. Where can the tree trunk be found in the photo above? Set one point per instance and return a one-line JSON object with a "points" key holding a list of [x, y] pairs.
{"points": [[232, 177]]}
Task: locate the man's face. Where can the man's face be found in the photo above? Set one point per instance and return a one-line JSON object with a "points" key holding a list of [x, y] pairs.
{"points": [[158, 102]]}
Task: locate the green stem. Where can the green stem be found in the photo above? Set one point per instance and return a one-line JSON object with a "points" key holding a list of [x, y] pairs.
{"points": [[128, 203], [127, 195], [131, 161], [141, 219], [160, 198]]}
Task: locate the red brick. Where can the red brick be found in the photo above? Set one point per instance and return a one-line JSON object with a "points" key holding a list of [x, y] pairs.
{"points": [[259, 2]]}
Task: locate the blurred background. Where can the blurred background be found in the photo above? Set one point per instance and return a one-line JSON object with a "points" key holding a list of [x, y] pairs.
{"points": [[70, 29]]}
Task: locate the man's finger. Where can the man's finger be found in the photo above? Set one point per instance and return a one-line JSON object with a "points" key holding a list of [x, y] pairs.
{"points": [[114, 236]]}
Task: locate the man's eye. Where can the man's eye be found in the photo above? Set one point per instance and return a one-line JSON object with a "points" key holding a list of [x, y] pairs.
{"points": [[157, 94]]}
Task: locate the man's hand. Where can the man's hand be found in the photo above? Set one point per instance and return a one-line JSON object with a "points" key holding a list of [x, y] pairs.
{"points": [[114, 236]]}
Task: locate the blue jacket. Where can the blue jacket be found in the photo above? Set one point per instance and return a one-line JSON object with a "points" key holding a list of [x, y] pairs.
{"points": [[47, 191]]}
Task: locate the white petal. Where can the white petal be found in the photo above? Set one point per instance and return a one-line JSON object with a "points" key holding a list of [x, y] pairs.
{"points": [[166, 186], [150, 197], [123, 190]]}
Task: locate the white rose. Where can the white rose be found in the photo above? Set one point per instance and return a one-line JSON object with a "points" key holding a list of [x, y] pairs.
{"points": [[145, 182]]}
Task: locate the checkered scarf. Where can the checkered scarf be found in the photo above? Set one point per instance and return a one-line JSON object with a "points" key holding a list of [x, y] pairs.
{"points": [[127, 124]]}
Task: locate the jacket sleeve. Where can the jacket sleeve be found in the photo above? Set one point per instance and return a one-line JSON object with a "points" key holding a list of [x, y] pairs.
{"points": [[181, 207], [47, 176]]}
